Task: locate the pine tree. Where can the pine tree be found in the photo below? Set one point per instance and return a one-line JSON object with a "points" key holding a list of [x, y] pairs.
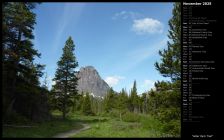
{"points": [[171, 57], [86, 106], [122, 102], [79, 101], [134, 98], [144, 103], [165, 101], [18, 51], [163, 86], [65, 77], [109, 100], [20, 73]]}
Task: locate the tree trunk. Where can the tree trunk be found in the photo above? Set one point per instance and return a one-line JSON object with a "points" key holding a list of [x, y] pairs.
{"points": [[14, 76], [15, 63], [10, 107], [74, 104], [63, 115], [63, 112], [63, 108], [65, 96], [139, 108], [135, 109]]}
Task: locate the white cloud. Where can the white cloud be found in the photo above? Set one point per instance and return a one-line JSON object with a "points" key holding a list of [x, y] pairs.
{"points": [[143, 86], [50, 82], [147, 84], [147, 26], [126, 15], [141, 23], [113, 80]]}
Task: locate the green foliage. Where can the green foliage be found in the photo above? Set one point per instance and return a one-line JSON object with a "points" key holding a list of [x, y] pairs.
{"points": [[15, 118], [122, 102], [150, 123], [163, 85], [21, 88], [41, 130], [78, 102], [165, 106], [143, 101], [134, 100], [86, 106], [112, 127], [173, 127], [22, 92], [165, 101], [110, 100], [168, 114], [114, 113], [65, 78], [18, 51]]}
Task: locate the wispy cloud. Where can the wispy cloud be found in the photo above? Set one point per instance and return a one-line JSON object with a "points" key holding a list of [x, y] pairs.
{"points": [[70, 15], [126, 15], [139, 54], [113, 80], [147, 26], [142, 53]]}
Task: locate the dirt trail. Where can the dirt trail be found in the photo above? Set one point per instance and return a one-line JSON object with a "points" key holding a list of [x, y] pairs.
{"points": [[72, 132]]}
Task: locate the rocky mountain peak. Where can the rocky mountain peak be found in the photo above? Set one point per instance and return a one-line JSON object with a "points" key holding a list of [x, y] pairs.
{"points": [[90, 81]]}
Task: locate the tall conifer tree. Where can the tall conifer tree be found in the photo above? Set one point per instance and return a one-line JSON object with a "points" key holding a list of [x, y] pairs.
{"points": [[171, 57], [65, 78]]}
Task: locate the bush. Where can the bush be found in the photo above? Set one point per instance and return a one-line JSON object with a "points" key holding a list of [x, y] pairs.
{"points": [[168, 114], [114, 113], [103, 114], [149, 122], [131, 117], [89, 113], [15, 118], [173, 127]]}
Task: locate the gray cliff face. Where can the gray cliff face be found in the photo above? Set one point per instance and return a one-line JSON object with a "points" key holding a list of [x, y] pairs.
{"points": [[90, 81]]}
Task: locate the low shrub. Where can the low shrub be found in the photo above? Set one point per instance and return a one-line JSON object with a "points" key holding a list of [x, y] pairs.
{"points": [[173, 127], [149, 122], [131, 117], [15, 118], [114, 113]]}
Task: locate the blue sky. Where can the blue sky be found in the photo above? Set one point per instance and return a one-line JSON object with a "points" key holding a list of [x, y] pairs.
{"points": [[121, 40]]}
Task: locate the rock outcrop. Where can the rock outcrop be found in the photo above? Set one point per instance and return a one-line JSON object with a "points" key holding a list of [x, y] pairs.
{"points": [[90, 81]]}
